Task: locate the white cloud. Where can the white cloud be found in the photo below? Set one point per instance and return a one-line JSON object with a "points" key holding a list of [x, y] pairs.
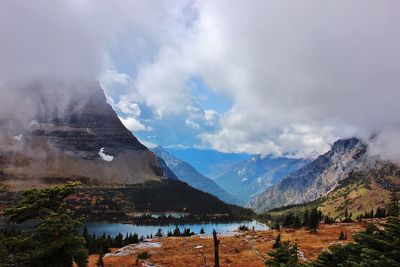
{"points": [[192, 124], [300, 74], [211, 116], [132, 124], [148, 143], [128, 107]]}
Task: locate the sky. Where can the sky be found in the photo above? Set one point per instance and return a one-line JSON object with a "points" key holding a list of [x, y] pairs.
{"points": [[270, 77]]}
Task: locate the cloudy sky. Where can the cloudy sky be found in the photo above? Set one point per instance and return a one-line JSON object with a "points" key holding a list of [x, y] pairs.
{"points": [[281, 77]]}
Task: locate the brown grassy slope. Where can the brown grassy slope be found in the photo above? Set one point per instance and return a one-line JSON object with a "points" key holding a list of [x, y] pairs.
{"points": [[362, 192], [246, 249]]}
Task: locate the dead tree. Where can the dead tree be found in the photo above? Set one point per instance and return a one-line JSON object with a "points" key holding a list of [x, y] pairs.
{"points": [[204, 259], [216, 252]]}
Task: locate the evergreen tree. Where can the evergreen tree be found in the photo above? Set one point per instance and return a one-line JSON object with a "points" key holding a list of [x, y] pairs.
{"points": [[306, 218], [177, 232], [313, 221], [393, 207], [278, 242], [372, 247], [159, 233], [284, 255], [56, 240], [342, 235]]}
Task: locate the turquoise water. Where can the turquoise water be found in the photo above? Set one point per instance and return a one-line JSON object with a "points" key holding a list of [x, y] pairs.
{"points": [[113, 229]]}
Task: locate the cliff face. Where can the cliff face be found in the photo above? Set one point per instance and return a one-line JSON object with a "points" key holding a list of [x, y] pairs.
{"points": [[315, 179], [52, 132]]}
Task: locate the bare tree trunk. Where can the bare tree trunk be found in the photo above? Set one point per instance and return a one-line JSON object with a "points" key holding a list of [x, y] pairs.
{"points": [[216, 252], [204, 259]]}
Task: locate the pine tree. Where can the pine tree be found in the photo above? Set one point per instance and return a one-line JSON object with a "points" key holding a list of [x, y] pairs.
{"points": [[313, 222], [284, 255], [393, 207], [371, 247], [159, 233], [342, 235], [306, 217], [278, 242], [177, 232], [56, 240]]}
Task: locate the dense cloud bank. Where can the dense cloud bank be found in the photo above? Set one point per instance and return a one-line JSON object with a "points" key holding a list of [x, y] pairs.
{"points": [[300, 74]]}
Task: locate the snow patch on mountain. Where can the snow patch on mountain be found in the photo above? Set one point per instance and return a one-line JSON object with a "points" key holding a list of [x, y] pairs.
{"points": [[104, 156]]}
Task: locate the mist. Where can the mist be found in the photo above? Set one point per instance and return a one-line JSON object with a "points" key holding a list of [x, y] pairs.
{"points": [[300, 74]]}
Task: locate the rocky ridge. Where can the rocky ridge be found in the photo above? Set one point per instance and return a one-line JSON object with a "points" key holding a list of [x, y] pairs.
{"points": [[317, 178]]}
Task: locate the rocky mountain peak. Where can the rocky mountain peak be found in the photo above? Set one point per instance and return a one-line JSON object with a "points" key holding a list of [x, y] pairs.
{"points": [[69, 131], [316, 178], [345, 145]]}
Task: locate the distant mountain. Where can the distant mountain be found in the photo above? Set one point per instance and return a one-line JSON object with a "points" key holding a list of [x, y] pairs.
{"points": [[167, 171], [210, 163], [253, 176], [317, 178], [185, 172]]}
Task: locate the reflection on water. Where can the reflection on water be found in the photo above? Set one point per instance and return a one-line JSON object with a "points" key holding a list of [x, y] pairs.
{"points": [[113, 229]]}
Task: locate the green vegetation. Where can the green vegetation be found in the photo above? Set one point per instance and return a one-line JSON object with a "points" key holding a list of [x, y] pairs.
{"points": [[371, 247], [368, 194], [243, 228], [102, 244], [117, 204], [342, 236], [302, 218], [284, 254], [55, 241], [374, 246]]}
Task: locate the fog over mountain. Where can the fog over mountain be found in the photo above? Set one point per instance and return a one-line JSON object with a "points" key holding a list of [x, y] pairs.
{"points": [[298, 75]]}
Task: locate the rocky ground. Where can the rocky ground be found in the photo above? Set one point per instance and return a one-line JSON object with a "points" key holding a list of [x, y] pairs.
{"points": [[236, 248]]}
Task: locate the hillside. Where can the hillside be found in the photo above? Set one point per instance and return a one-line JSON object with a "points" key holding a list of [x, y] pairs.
{"points": [[247, 179], [122, 204], [317, 178], [363, 191], [185, 172], [360, 192]]}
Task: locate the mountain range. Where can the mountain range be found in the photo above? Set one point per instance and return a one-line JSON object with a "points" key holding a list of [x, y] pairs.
{"points": [[210, 163], [248, 178], [187, 173]]}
